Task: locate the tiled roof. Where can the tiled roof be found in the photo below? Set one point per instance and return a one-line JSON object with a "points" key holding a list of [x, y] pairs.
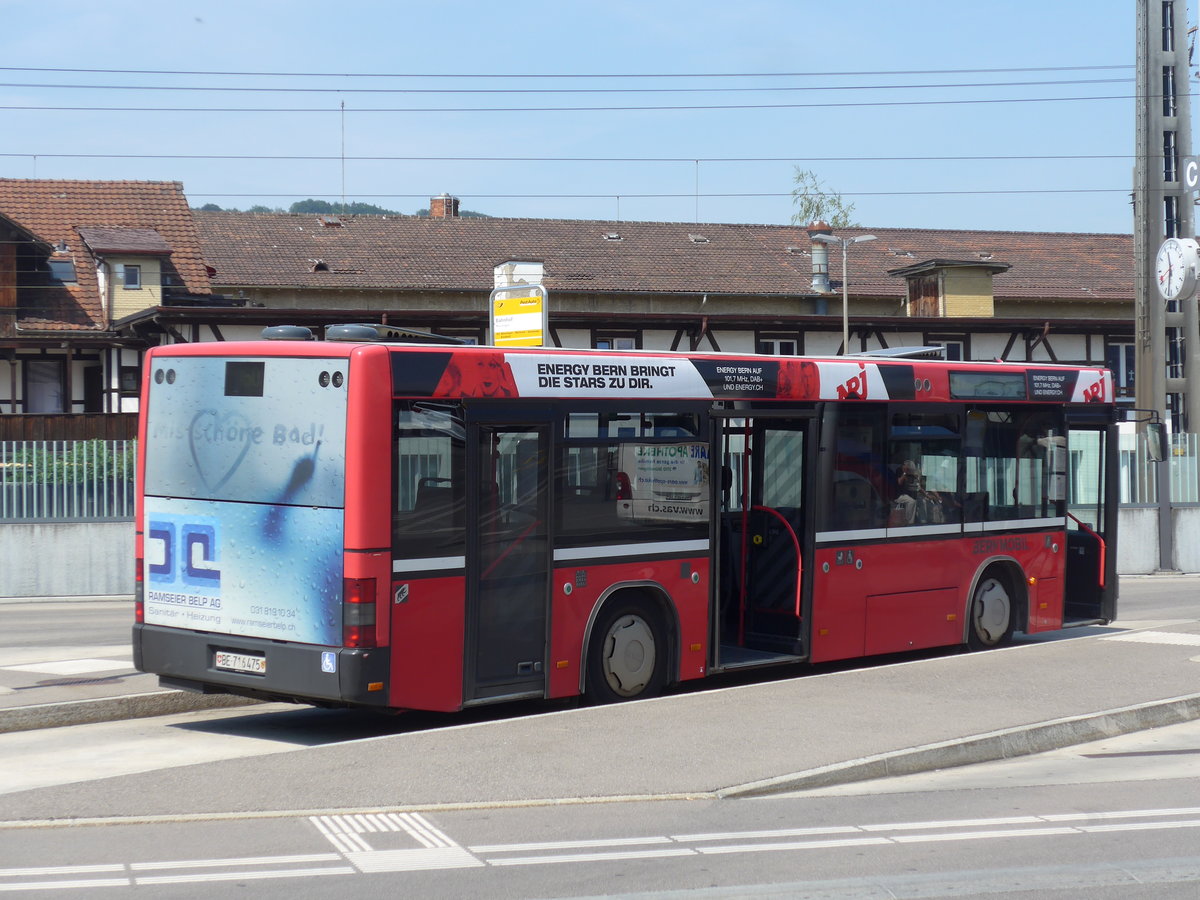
{"points": [[56, 210], [143, 241], [455, 254]]}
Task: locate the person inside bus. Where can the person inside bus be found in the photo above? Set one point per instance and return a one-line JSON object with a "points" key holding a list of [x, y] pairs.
{"points": [[914, 505]]}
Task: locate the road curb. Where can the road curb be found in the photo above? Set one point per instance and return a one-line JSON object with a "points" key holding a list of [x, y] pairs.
{"points": [[1006, 744], [108, 709]]}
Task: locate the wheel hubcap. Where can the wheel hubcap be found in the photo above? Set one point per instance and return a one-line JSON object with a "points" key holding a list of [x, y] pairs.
{"points": [[629, 655], [992, 611]]}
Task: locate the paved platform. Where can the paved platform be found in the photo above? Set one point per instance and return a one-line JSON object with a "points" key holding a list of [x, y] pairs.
{"points": [[85, 676], [783, 734]]}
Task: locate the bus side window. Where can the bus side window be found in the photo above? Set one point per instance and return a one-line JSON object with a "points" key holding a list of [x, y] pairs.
{"points": [[924, 450], [1009, 455], [428, 514], [857, 493]]}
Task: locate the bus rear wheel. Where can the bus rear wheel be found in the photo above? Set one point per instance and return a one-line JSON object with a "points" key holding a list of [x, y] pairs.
{"points": [[991, 617], [627, 655]]}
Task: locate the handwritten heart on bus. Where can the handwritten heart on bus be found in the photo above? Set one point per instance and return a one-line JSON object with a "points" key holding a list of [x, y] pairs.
{"points": [[219, 443]]}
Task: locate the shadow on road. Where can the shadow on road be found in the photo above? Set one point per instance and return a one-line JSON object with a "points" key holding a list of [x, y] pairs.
{"points": [[311, 726]]}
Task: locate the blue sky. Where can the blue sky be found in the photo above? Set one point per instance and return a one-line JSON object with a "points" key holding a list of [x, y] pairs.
{"points": [[872, 137]]}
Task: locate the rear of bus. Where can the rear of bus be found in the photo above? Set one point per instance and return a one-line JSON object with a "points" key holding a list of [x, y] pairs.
{"points": [[252, 577]]}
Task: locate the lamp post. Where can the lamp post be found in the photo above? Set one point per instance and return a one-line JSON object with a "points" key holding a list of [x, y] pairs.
{"points": [[845, 242]]}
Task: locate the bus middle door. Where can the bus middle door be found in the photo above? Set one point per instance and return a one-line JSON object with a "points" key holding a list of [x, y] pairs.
{"points": [[508, 560], [763, 533]]}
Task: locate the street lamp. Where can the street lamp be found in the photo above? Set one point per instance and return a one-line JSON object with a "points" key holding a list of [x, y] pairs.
{"points": [[845, 242]]}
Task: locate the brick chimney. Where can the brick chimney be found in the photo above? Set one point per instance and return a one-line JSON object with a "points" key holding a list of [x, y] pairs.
{"points": [[443, 207]]}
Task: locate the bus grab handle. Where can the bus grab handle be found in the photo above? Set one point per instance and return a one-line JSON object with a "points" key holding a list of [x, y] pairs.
{"points": [[795, 542]]}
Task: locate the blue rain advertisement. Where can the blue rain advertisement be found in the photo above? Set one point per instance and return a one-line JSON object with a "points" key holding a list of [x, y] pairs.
{"points": [[244, 489]]}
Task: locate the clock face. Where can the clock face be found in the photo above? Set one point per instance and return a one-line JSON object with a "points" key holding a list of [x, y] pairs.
{"points": [[1175, 268]]}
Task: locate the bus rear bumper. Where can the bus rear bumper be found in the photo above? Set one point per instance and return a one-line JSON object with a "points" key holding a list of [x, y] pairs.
{"points": [[300, 673]]}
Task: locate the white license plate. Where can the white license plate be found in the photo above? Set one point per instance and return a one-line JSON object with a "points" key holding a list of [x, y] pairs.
{"points": [[240, 662]]}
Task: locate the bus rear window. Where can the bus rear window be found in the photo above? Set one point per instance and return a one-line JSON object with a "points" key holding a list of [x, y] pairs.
{"points": [[244, 379], [249, 430]]}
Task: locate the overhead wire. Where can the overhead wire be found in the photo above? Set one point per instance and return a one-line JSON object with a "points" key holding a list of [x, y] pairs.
{"points": [[588, 159], [564, 75], [536, 109], [579, 76], [654, 90]]}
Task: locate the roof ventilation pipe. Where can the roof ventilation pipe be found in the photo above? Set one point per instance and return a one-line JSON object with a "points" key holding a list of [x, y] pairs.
{"points": [[820, 264]]}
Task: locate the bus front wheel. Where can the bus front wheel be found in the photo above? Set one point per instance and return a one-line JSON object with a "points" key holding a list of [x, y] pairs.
{"points": [[991, 618], [627, 655]]}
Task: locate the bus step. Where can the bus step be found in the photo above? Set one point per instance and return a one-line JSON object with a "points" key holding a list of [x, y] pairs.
{"points": [[732, 657]]}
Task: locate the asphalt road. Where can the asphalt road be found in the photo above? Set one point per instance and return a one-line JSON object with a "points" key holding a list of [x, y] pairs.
{"points": [[1111, 819]]}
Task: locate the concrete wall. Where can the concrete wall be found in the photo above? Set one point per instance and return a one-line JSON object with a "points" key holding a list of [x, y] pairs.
{"points": [[56, 559], [96, 559], [1137, 543]]}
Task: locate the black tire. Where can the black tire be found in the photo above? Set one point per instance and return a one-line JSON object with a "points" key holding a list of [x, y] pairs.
{"points": [[992, 616], [627, 653]]}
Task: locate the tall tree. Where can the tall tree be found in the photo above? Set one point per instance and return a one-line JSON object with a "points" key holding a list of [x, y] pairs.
{"points": [[815, 201]]}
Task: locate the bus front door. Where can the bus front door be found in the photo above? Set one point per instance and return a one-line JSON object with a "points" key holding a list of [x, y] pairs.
{"points": [[761, 535], [508, 562], [1090, 591]]}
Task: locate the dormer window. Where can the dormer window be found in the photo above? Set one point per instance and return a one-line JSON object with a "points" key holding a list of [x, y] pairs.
{"points": [[132, 277], [62, 271], [319, 265]]}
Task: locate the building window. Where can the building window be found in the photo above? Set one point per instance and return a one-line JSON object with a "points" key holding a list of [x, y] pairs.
{"points": [[1119, 358], [777, 345], [953, 347], [617, 340], [45, 386], [62, 270], [133, 278], [131, 378], [470, 335]]}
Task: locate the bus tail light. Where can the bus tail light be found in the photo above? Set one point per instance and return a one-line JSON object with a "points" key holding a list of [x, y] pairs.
{"points": [[358, 612], [624, 489], [139, 594]]}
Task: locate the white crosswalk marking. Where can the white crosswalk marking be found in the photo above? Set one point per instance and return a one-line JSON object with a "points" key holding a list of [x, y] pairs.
{"points": [[436, 850], [424, 847]]}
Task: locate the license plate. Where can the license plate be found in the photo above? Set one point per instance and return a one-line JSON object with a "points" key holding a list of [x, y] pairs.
{"points": [[240, 662]]}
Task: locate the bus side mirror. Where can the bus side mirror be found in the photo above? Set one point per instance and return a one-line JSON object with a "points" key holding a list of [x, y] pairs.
{"points": [[1156, 441]]}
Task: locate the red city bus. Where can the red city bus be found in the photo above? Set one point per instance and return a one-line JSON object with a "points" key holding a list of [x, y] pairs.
{"points": [[363, 522]]}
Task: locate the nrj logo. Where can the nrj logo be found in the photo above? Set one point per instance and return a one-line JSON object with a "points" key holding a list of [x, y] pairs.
{"points": [[854, 387], [184, 551], [1094, 393]]}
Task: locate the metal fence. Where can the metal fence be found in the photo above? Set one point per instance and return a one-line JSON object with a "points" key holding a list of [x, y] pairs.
{"points": [[93, 480], [89, 481]]}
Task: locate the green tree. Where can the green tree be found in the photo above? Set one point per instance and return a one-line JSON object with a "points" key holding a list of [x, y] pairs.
{"points": [[325, 208], [815, 201], [316, 207]]}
